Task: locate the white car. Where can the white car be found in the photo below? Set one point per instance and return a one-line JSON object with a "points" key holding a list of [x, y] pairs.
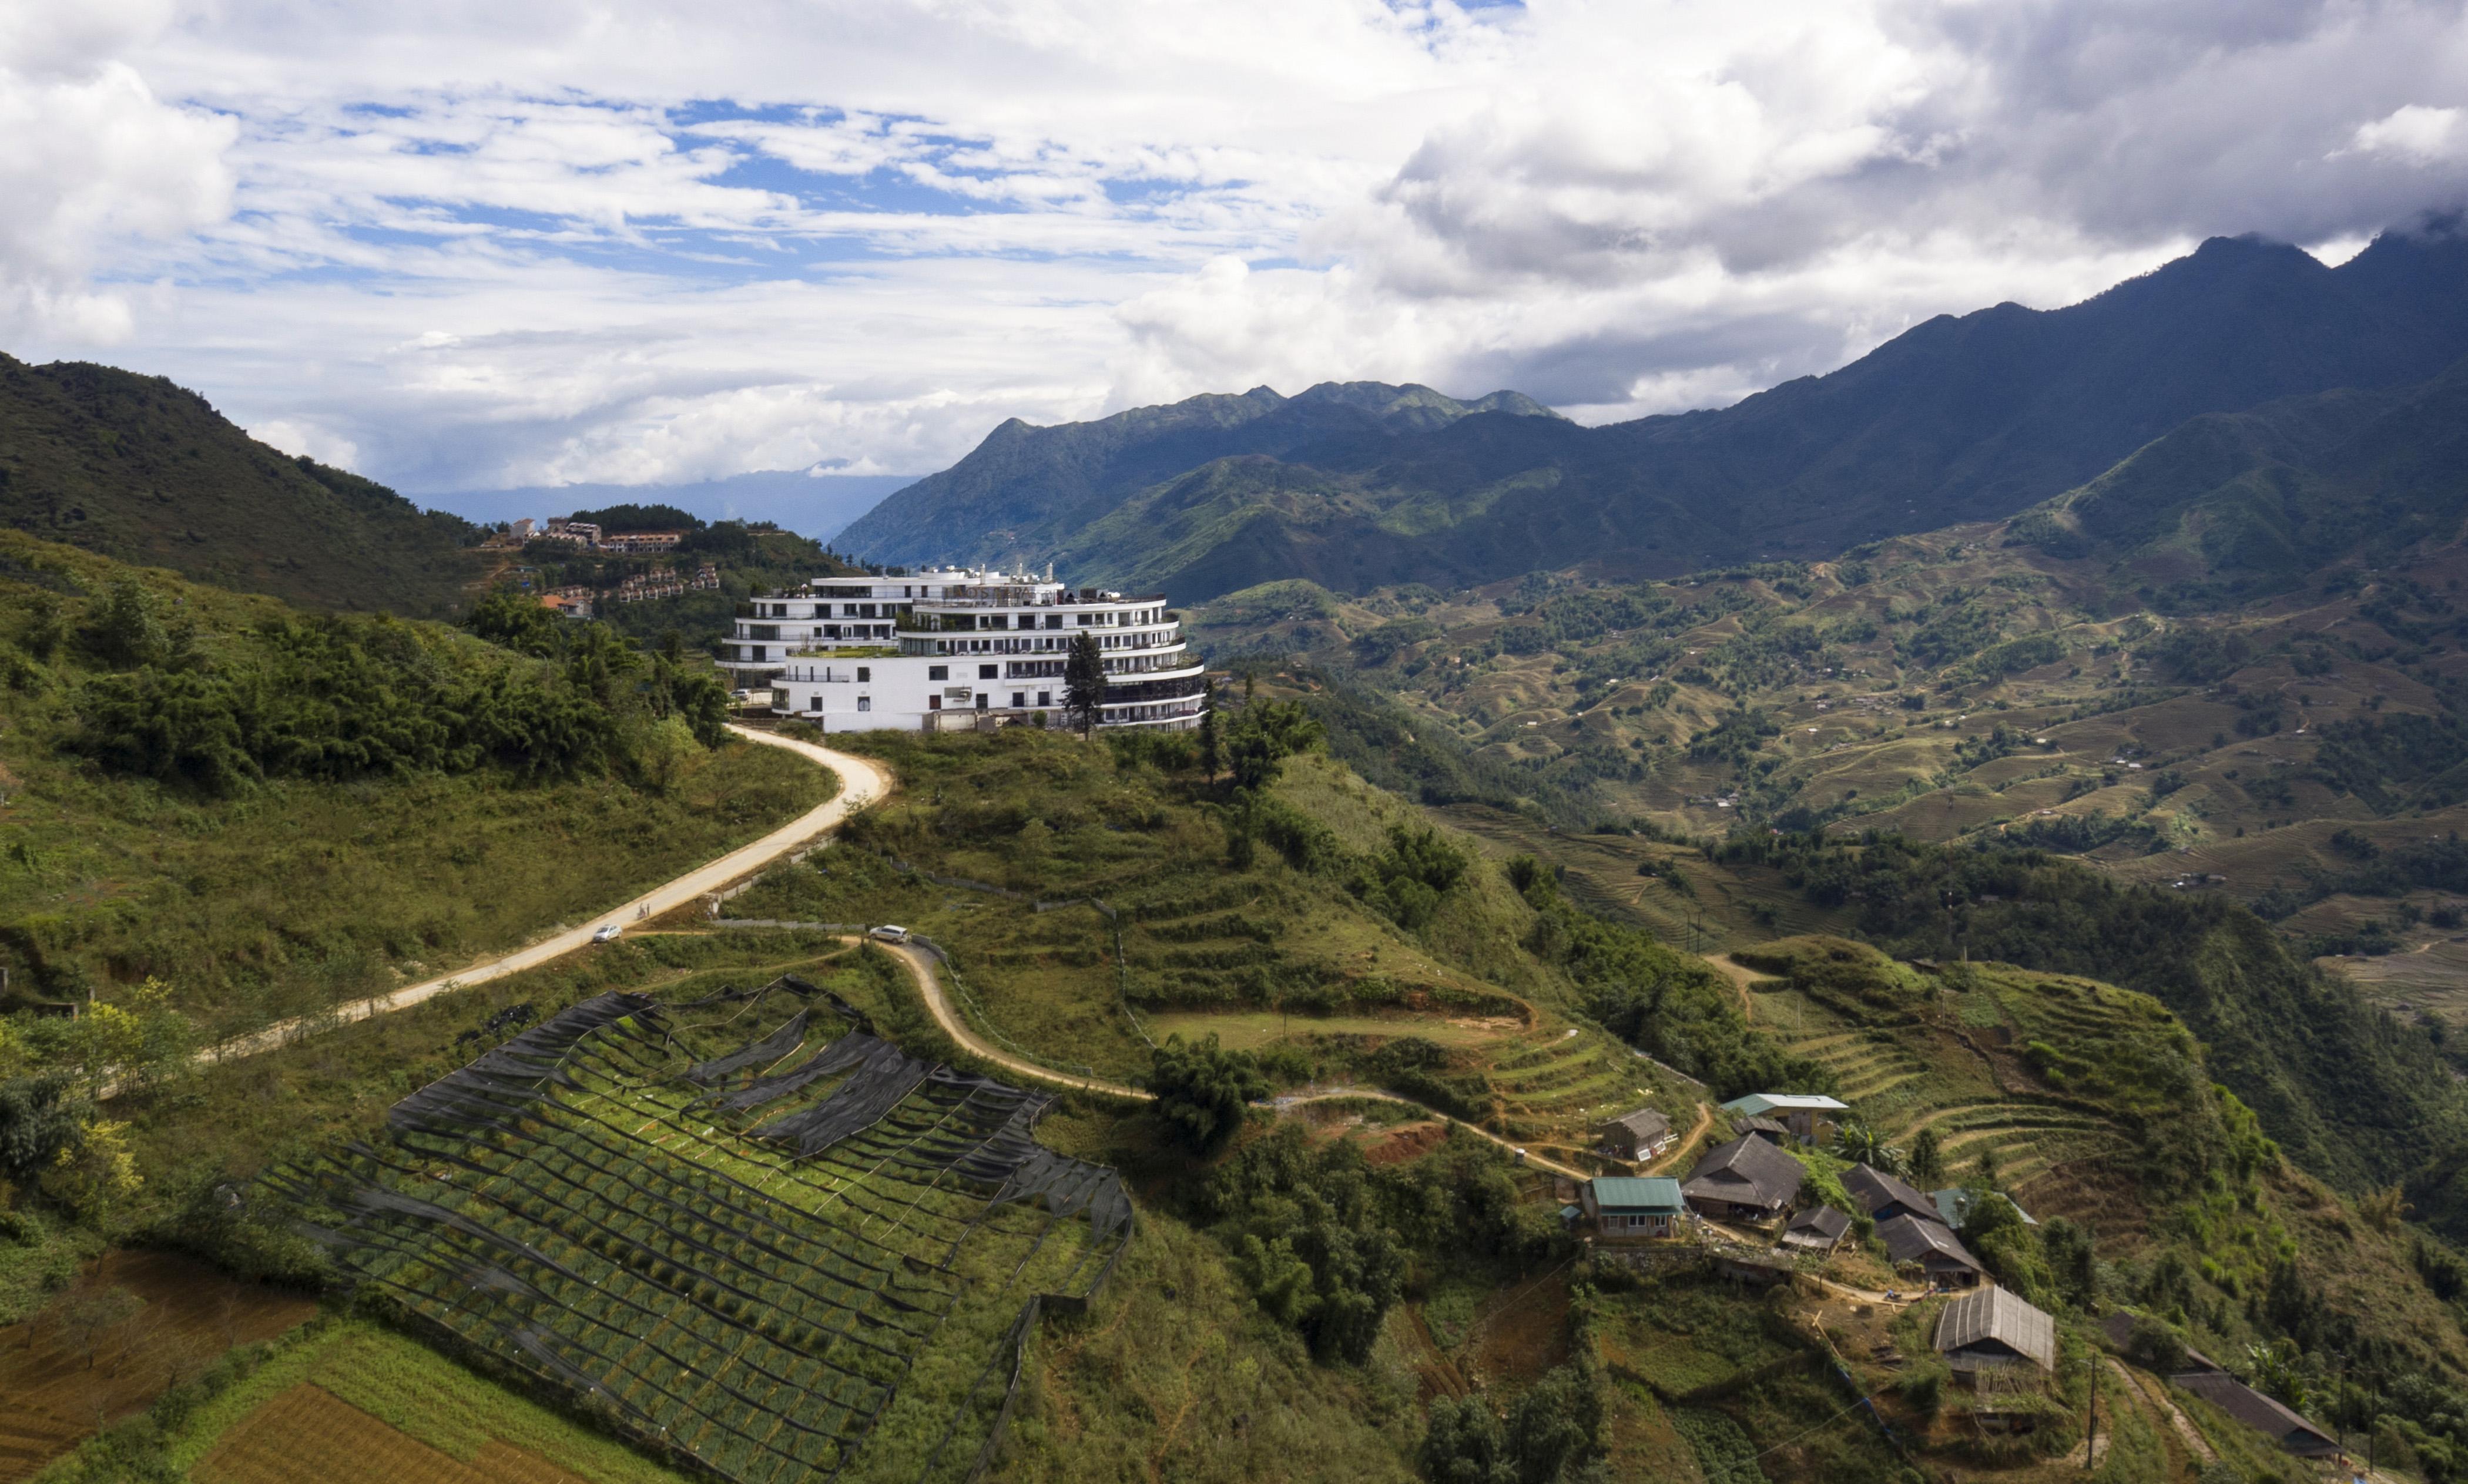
{"points": [[607, 934], [888, 932]]}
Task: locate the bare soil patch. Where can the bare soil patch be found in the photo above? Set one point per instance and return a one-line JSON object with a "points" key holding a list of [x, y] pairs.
{"points": [[131, 1326]]}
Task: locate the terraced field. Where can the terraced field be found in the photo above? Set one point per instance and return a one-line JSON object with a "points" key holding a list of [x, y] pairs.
{"points": [[1554, 1086], [1945, 1064], [742, 1230]]}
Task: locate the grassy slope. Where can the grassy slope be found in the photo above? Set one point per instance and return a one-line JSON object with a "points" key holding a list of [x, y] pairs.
{"points": [[1175, 1372], [1607, 701], [137, 469], [1174, 1332], [1202, 939], [297, 893]]}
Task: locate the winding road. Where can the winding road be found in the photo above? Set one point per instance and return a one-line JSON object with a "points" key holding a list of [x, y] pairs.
{"points": [[938, 1004], [862, 781]]}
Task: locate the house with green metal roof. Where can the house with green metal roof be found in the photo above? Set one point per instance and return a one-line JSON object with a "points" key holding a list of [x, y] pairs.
{"points": [[1634, 1207], [1798, 1111]]}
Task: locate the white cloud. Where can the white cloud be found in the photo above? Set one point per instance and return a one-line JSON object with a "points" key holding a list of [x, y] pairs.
{"points": [[94, 160], [478, 244], [2422, 135]]}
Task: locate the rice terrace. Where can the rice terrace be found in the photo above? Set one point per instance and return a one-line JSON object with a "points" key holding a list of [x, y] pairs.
{"points": [[741, 1230]]}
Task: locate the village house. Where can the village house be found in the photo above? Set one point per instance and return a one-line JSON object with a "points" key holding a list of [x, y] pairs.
{"points": [[1765, 1129], [1884, 1196], [1625, 1207], [1816, 1229], [1747, 1179], [1992, 1330], [1912, 1242], [1803, 1113], [1637, 1136]]}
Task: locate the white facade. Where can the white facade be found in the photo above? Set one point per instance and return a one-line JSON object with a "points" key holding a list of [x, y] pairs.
{"points": [[952, 648]]}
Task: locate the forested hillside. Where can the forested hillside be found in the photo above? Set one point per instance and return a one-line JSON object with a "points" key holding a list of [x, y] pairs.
{"points": [[141, 471], [263, 810], [1956, 420]]}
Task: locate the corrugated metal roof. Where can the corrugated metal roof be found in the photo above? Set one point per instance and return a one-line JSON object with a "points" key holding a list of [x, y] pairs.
{"points": [[1651, 1193], [1997, 1314], [1758, 1103], [1823, 1221], [1953, 1206]]}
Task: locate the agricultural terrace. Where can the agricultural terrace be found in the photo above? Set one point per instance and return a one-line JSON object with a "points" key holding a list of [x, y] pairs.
{"points": [[1096, 901], [1970, 1052], [741, 1230]]}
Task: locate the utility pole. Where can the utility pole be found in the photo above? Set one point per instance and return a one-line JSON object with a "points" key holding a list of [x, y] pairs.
{"points": [[2091, 1440]]}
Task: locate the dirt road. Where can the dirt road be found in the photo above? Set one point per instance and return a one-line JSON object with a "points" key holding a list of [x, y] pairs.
{"points": [[1741, 977], [929, 987], [862, 781]]}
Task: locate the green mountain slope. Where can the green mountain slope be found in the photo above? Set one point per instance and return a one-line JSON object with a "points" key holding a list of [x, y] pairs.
{"points": [[268, 810], [1027, 490], [1956, 420], [143, 472]]}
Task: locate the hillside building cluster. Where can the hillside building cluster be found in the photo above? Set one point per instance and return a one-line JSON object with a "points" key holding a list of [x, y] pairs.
{"points": [[952, 648]]}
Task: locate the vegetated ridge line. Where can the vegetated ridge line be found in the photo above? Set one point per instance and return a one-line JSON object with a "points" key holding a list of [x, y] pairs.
{"points": [[862, 781]]}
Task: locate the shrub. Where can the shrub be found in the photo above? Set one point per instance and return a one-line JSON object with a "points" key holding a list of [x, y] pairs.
{"points": [[1201, 1090]]}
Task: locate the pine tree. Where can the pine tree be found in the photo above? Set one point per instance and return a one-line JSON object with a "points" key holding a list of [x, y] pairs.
{"points": [[1084, 683], [1928, 1160]]}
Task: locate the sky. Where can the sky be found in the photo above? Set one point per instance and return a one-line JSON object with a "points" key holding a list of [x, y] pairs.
{"points": [[467, 246]]}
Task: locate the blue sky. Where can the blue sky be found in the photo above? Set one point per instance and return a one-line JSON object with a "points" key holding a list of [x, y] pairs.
{"points": [[467, 246]]}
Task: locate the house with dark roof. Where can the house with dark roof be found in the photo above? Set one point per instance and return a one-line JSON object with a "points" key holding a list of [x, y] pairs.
{"points": [[1635, 1136], [1767, 1129], [1816, 1229], [1993, 1330], [1884, 1196], [2265, 1415], [1746, 1180], [1936, 1252], [1624, 1207]]}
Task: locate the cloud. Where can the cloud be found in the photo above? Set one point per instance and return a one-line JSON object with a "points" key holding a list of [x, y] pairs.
{"points": [[2417, 134], [94, 160], [610, 241]]}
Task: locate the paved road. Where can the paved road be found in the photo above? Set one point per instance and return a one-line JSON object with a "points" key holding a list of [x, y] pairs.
{"points": [[862, 781]]}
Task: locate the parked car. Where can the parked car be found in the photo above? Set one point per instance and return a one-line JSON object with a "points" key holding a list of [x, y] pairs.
{"points": [[607, 934], [889, 933]]}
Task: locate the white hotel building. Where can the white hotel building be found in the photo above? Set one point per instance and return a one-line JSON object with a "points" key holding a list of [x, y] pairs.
{"points": [[950, 647]]}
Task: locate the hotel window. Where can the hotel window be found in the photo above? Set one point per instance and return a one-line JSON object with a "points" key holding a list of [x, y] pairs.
{"points": [[987, 672], [1045, 697], [813, 703], [865, 703], [938, 672], [1017, 699], [933, 703], [982, 699], [1054, 621], [863, 675]]}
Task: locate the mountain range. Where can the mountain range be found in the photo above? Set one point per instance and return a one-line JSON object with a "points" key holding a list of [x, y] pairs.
{"points": [[1959, 419]]}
